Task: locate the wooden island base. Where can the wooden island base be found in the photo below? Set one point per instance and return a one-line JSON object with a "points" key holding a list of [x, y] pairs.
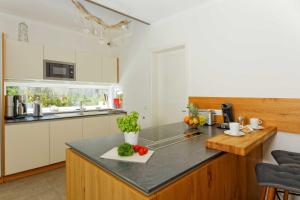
{"points": [[227, 177]]}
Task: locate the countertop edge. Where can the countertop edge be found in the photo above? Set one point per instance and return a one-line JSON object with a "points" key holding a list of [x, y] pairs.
{"points": [[40, 119], [132, 184]]}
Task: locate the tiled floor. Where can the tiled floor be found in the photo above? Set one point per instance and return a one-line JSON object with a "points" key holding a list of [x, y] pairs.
{"points": [[46, 186]]}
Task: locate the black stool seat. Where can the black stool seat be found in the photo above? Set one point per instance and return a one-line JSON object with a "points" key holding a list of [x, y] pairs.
{"points": [[286, 157], [278, 176]]}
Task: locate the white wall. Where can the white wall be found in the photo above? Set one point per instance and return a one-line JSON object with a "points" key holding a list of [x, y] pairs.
{"points": [[42, 33], [236, 48]]}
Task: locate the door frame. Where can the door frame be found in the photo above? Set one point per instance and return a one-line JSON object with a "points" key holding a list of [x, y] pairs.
{"points": [[155, 51]]}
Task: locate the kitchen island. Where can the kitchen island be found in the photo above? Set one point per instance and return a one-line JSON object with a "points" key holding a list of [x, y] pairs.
{"points": [[185, 170]]}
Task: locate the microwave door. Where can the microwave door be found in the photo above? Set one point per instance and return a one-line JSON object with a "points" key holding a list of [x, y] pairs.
{"points": [[59, 72]]}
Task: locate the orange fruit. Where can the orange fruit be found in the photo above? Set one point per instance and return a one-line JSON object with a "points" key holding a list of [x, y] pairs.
{"points": [[186, 119]]}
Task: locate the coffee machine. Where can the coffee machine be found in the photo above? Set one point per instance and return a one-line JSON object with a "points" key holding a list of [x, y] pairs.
{"points": [[15, 107], [227, 112], [227, 115]]}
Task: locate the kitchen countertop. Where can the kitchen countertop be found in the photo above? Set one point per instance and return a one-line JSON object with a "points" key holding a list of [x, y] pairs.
{"points": [[30, 118], [241, 146], [166, 164]]}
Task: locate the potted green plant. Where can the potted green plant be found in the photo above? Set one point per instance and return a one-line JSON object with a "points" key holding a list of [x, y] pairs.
{"points": [[130, 127]]}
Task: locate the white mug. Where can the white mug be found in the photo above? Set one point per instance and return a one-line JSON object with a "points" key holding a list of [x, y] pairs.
{"points": [[255, 122], [234, 128]]}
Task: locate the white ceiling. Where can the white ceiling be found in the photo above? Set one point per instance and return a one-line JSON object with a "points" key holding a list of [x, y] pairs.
{"points": [[150, 10], [60, 13], [63, 13]]}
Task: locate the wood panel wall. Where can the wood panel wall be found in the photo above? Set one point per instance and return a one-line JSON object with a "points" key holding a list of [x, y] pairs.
{"points": [[283, 113]]}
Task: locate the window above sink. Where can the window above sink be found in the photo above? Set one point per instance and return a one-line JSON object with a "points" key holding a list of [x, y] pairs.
{"points": [[56, 98]]}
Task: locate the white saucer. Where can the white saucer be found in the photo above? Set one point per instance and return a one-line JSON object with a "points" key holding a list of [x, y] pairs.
{"points": [[227, 132], [258, 128]]}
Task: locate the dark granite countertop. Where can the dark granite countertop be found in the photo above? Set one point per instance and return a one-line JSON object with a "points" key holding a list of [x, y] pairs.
{"points": [[30, 118], [166, 164]]}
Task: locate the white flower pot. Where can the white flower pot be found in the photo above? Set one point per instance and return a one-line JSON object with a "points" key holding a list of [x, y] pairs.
{"points": [[131, 138]]}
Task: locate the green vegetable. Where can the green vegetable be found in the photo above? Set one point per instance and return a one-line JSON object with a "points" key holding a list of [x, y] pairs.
{"points": [[125, 150], [129, 123]]}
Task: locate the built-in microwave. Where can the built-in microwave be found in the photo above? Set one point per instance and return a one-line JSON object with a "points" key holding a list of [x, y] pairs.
{"points": [[55, 70]]}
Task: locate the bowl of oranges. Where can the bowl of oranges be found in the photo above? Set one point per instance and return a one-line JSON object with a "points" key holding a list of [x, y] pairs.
{"points": [[194, 120]]}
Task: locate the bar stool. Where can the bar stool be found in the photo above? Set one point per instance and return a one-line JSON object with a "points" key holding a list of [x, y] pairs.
{"points": [[272, 177], [286, 157]]}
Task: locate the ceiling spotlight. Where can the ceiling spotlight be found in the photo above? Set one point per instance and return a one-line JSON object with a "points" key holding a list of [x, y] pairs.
{"points": [[124, 26]]}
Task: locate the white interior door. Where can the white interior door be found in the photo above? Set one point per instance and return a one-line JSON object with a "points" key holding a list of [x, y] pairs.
{"points": [[169, 85]]}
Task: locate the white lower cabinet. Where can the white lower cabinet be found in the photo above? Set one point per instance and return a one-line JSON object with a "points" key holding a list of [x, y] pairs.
{"points": [[113, 123], [26, 146], [95, 126], [37, 144], [63, 131]]}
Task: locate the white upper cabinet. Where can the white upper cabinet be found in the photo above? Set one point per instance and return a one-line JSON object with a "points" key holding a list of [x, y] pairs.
{"points": [[23, 60], [109, 70], [59, 54], [88, 67]]}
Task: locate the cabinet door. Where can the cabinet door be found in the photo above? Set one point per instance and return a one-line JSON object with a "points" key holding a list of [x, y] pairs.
{"points": [[88, 67], [23, 60], [59, 54], [113, 123], [26, 146], [63, 131], [96, 126], [109, 70]]}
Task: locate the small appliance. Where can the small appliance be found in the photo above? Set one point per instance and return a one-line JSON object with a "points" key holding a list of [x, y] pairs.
{"points": [[210, 116], [15, 107], [55, 70], [227, 112], [227, 115], [37, 109]]}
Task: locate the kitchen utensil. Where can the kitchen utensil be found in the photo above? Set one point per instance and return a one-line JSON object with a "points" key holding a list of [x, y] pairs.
{"points": [[113, 155]]}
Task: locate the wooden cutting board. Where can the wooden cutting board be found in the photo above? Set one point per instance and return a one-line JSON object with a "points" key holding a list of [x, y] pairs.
{"points": [[241, 145], [136, 158]]}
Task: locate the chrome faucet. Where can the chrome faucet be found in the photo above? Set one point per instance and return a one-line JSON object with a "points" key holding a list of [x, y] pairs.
{"points": [[81, 107]]}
